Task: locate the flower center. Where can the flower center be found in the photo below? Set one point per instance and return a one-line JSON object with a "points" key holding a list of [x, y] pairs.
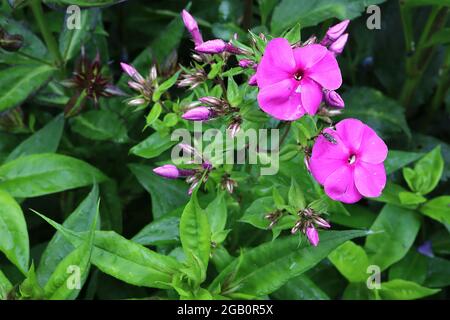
{"points": [[352, 159], [298, 75]]}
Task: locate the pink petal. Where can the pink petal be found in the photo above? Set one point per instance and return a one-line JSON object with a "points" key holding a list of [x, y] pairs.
{"points": [[373, 149], [370, 179], [276, 64], [311, 95], [321, 168], [351, 132], [325, 149], [341, 187], [326, 72], [280, 101], [306, 57]]}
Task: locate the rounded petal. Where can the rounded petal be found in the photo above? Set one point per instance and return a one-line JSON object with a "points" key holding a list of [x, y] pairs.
{"points": [[306, 57], [351, 132], [280, 101], [311, 95], [373, 149], [326, 72], [277, 63], [324, 149], [370, 179], [321, 168], [340, 186]]}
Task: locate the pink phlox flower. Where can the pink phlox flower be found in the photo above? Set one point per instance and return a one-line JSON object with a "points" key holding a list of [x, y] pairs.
{"points": [[348, 161], [291, 81]]}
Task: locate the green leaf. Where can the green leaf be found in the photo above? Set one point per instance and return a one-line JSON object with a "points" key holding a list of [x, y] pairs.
{"points": [[217, 213], [381, 113], [30, 288], [17, 83], [167, 195], [195, 232], [398, 159], [162, 231], [409, 198], [33, 46], [438, 273], [59, 247], [71, 40], [265, 8], [154, 114], [45, 140], [153, 146], [295, 195], [294, 35], [438, 209], [404, 290], [264, 269], [62, 284], [166, 85], [233, 94], [13, 229], [357, 291], [351, 260], [40, 174], [300, 288], [426, 173], [397, 228], [5, 286], [256, 212], [125, 259], [413, 267], [310, 13], [100, 125]]}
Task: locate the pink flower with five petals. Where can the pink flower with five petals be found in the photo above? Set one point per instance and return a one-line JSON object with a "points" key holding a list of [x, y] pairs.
{"points": [[348, 161], [291, 81]]}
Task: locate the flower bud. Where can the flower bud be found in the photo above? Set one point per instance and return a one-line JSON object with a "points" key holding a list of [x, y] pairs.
{"points": [[132, 72], [212, 101], [338, 46], [321, 222], [198, 114], [252, 81], [313, 236], [334, 33], [168, 171], [135, 86], [192, 27], [246, 63], [211, 46], [11, 42], [136, 102], [333, 99]]}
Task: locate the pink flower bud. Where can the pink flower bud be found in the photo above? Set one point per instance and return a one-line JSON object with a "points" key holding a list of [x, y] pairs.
{"points": [[132, 72], [168, 171], [334, 33], [313, 236], [333, 99], [212, 101], [211, 46], [321, 222], [198, 114], [252, 81], [246, 63], [338, 46], [192, 27]]}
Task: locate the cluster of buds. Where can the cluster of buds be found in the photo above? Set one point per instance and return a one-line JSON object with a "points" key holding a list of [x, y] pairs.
{"points": [[208, 108], [308, 222], [192, 79], [228, 184], [274, 217], [194, 177], [335, 38], [143, 86], [10, 42], [90, 83]]}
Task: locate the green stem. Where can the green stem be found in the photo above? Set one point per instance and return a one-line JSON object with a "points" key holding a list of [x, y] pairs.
{"points": [[50, 41]]}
